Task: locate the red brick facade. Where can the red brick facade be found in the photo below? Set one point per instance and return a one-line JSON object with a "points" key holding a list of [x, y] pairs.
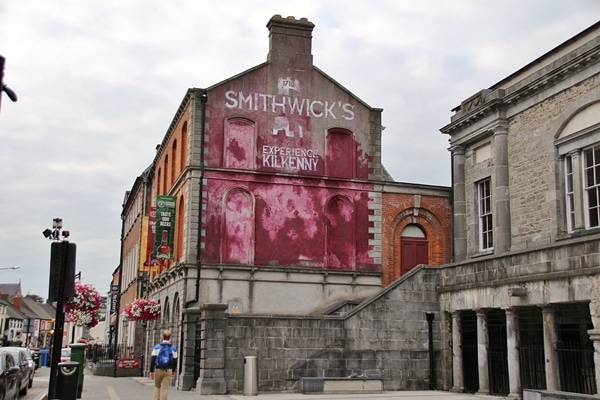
{"points": [[431, 213]]}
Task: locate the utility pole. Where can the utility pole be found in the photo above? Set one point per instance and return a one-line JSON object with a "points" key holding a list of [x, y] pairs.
{"points": [[61, 290]]}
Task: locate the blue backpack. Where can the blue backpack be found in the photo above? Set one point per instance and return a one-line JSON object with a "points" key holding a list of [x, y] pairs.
{"points": [[165, 356]]}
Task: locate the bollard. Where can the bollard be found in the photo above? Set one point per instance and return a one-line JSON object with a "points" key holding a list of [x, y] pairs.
{"points": [[78, 354], [67, 380], [250, 376]]}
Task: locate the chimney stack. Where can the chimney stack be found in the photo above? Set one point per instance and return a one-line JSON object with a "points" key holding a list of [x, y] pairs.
{"points": [[17, 302], [290, 41]]}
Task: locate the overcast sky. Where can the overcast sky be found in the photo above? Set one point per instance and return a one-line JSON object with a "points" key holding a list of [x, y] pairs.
{"points": [[99, 82]]}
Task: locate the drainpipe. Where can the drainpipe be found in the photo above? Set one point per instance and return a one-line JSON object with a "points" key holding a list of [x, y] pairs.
{"points": [[203, 100], [430, 316]]}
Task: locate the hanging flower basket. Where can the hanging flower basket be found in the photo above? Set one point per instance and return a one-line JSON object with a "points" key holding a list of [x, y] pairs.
{"points": [[86, 298], [84, 318], [143, 310], [83, 310]]}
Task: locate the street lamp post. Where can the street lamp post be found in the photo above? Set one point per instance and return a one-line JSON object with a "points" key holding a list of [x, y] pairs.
{"points": [[62, 266]]}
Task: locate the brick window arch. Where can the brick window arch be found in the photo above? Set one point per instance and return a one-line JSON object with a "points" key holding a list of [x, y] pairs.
{"points": [[433, 231]]}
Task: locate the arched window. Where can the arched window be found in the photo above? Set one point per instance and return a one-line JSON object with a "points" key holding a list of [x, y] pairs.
{"points": [[176, 308], [240, 137], [166, 174], [238, 227], [166, 314], [184, 145], [341, 246], [174, 161], [179, 237], [414, 248], [578, 147], [158, 181], [341, 154]]}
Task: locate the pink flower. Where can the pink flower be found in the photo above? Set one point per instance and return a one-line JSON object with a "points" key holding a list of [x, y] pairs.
{"points": [[143, 310], [83, 310]]}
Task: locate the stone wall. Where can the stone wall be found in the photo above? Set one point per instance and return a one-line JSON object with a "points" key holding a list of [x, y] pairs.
{"points": [[386, 336], [554, 274]]}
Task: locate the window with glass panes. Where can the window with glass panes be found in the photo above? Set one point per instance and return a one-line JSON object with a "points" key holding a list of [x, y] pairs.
{"points": [[569, 193], [486, 228], [591, 171]]}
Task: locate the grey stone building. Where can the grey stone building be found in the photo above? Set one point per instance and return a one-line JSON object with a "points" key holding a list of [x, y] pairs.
{"points": [[523, 293]]}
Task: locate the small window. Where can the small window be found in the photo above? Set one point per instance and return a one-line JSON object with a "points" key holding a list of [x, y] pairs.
{"points": [[484, 202]]}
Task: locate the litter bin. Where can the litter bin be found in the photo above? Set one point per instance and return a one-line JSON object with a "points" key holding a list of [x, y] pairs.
{"points": [[45, 357], [68, 380], [250, 376], [78, 354]]}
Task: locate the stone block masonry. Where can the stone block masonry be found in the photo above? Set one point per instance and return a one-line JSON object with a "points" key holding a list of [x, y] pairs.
{"points": [[382, 338]]}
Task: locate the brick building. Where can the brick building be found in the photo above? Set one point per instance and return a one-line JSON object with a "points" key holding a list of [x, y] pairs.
{"points": [[270, 198]]}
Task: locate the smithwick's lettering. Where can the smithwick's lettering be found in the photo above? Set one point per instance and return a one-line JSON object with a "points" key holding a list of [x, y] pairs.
{"points": [[290, 158], [289, 105]]}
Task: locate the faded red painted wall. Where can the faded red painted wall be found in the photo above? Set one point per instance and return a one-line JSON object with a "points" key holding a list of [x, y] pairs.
{"points": [[281, 222], [287, 168]]}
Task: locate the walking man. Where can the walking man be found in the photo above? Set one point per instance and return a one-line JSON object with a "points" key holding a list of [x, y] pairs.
{"points": [[163, 363]]}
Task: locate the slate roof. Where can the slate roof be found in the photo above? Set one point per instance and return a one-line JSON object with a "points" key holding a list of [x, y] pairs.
{"points": [[11, 311], [11, 289], [35, 310]]}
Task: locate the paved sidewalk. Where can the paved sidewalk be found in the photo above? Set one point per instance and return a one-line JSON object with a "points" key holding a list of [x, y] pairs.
{"points": [[138, 388]]}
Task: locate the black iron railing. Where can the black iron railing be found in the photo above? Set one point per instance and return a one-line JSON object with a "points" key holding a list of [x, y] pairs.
{"points": [[576, 367]]}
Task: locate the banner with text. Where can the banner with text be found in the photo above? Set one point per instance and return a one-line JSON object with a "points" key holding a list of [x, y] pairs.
{"points": [[165, 227]]}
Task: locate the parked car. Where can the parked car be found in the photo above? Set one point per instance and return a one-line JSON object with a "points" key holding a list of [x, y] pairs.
{"points": [[65, 354], [10, 376], [24, 361]]}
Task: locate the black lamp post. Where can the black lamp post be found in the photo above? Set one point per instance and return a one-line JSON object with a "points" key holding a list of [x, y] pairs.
{"points": [[61, 290]]}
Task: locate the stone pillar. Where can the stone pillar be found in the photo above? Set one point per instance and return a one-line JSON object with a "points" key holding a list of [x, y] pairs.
{"points": [[191, 316], [500, 191], [550, 339], [212, 364], [459, 204], [595, 333], [482, 353], [457, 357], [512, 347], [595, 337]]}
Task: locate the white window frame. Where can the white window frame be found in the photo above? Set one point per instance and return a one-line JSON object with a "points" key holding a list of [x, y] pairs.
{"points": [[485, 222], [579, 154], [591, 186], [569, 188]]}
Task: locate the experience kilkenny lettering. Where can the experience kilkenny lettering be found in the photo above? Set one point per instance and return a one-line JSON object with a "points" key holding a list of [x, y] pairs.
{"points": [[290, 158]]}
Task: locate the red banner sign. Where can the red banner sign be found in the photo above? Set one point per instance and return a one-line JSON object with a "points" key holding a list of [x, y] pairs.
{"points": [[128, 363]]}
